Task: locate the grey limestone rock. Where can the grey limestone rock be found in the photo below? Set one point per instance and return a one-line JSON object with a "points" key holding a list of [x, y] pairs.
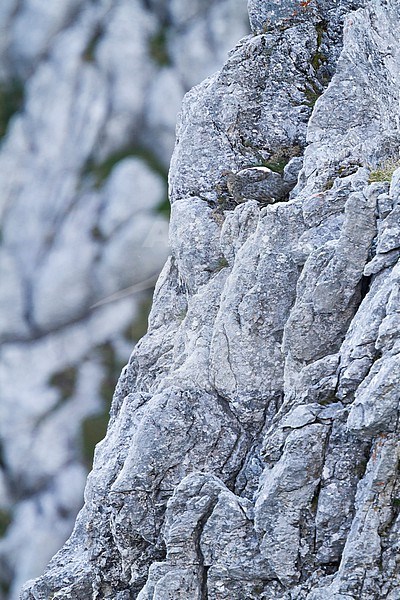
{"points": [[253, 446]]}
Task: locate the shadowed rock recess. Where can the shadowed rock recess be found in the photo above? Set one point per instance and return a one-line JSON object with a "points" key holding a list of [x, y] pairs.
{"points": [[253, 447]]}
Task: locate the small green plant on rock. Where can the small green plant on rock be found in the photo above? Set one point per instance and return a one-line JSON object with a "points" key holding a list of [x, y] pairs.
{"points": [[348, 169], [385, 171], [319, 59], [329, 184], [182, 315], [222, 263], [311, 93], [276, 165]]}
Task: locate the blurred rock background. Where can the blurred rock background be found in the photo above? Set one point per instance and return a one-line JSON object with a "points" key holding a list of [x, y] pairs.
{"points": [[89, 92]]}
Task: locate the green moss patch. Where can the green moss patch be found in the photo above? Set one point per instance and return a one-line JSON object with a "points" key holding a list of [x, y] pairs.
{"points": [[94, 430], [94, 427], [328, 185], [319, 58], [138, 327], [11, 101], [222, 263], [5, 520], [279, 159], [385, 171], [164, 208], [65, 382], [276, 165], [158, 47], [100, 171], [90, 50], [311, 93], [112, 369]]}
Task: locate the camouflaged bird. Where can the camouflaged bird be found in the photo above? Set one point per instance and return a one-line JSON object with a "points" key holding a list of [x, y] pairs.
{"points": [[256, 183]]}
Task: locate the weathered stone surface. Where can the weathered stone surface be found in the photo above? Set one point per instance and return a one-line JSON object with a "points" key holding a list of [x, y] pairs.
{"points": [[253, 448]]}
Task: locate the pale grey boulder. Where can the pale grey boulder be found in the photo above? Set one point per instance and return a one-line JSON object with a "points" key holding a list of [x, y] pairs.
{"points": [[388, 242], [371, 417], [292, 170], [255, 305], [224, 543], [359, 575], [329, 286], [395, 187], [194, 241], [367, 130], [285, 491], [326, 15], [358, 351]]}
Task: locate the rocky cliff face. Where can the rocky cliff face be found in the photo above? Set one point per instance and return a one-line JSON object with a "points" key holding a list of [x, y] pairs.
{"points": [[253, 448], [89, 93]]}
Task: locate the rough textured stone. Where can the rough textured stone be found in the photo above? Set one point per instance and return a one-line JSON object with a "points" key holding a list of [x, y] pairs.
{"points": [[253, 447]]}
